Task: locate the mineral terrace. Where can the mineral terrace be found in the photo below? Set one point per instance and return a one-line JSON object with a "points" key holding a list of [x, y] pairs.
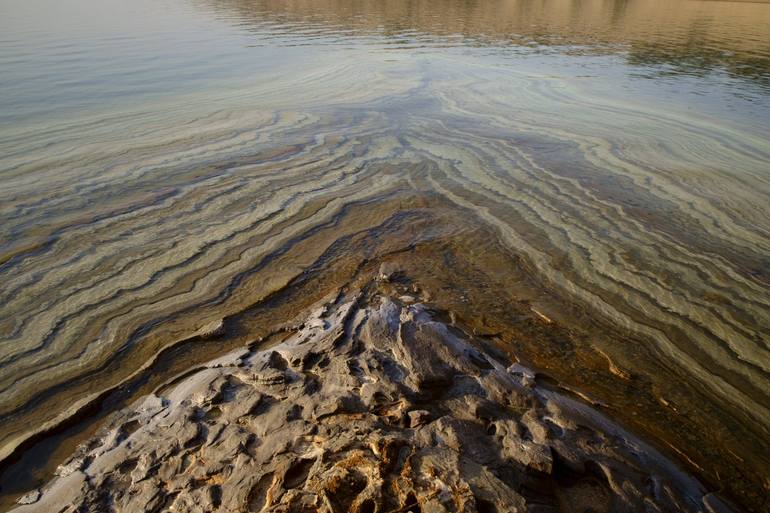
{"points": [[368, 404]]}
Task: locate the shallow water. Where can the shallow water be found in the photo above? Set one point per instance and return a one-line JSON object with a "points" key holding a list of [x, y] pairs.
{"points": [[166, 163]]}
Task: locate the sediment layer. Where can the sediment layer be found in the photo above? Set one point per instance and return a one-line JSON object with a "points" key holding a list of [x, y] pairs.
{"points": [[370, 403], [646, 255]]}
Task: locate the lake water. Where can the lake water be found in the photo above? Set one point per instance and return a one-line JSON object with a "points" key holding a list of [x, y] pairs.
{"points": [[167, 163]]}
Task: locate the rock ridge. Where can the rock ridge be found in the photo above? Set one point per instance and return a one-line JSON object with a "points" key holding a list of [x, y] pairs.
{"points": [[370, 405]]}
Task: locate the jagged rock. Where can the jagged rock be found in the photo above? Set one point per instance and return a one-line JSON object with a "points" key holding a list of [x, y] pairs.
{"points": [[418, 417], [525, 375], [371, 406], [387, 271], [71, 465], [30, 498]]}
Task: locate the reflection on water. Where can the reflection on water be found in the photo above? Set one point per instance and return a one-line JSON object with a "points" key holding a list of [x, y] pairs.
{"points": [[689, 37], [54, 58], [166, 163]]}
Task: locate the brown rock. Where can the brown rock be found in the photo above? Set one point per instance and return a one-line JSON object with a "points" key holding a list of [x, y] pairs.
{"points": [[320, 423], [418, 418]]}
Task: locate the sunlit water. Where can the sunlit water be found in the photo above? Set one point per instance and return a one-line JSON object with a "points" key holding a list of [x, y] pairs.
{"points": [[153, 152]]}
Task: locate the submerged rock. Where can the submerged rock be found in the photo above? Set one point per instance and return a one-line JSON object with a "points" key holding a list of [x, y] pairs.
{"points": [[372, 406], [211, 329], [30, 498]]}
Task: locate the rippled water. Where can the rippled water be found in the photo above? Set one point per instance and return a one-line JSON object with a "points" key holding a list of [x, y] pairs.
{"points": [[165, 163]]}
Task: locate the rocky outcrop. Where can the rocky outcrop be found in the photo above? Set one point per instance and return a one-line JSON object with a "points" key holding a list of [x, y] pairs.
{"points": [[370, 405]]}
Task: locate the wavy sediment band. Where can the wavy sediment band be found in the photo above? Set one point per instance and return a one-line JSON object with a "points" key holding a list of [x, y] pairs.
{"points": [[653, 251]]}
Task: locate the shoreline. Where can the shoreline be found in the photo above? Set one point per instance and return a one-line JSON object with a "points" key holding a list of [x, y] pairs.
{"points": [[512, 326], [229, 394]]}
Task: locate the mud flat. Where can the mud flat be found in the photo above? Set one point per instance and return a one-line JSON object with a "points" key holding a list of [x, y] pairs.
{"points": [[368, 403]]}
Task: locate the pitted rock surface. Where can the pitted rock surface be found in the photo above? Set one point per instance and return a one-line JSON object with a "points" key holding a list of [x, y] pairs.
{"points": [[371, 405]]}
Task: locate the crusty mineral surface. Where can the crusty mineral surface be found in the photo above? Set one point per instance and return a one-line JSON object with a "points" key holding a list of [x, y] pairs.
{"points": [[370, 405]]}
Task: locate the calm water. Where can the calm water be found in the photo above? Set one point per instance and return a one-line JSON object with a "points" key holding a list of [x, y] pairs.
{"points": [[156, 156]]}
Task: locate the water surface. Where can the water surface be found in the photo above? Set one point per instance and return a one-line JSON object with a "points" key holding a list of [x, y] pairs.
{"points": [[168, 163]]}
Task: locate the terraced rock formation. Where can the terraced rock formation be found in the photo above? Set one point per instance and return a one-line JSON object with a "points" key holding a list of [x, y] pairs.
{"points": [[368, 404]]}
